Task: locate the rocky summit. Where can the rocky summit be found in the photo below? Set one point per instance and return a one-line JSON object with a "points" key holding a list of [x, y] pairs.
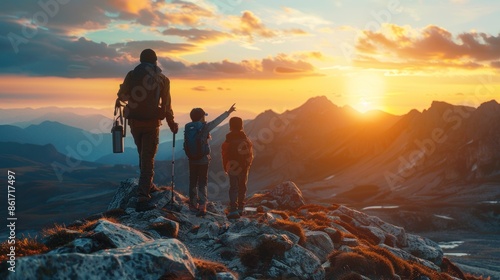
{"points": [[279, 237]]}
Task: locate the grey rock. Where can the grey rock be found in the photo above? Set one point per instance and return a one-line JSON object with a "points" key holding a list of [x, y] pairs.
{"points": [[244, 233], [424, 248], [149, 260], [169, 228], [80, 245], [84, 245], [126, 191], [303, 263], [398, 232], [345, 248], [118, 235], [126, 196], [294, 219], [207, 230], [319, 243], [363, 219], [380, 234], [339, 227], [270, 217], [225, 276], [288, 195], [402, 254], [351, 242], [281, 240]]}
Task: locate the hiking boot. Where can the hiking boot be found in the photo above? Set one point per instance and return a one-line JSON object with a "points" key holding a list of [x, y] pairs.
{"points": [[144, 206], [193, 207], [202, 210], [233, 215], [241, 211]]}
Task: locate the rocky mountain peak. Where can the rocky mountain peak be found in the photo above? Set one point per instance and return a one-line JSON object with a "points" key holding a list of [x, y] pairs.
{"points": [[279, 236], [489, 108], [319, 104]]}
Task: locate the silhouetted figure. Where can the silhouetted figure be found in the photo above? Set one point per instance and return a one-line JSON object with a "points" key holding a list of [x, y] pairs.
{"points": [[237, 157], [197, 148], [147, 93]]}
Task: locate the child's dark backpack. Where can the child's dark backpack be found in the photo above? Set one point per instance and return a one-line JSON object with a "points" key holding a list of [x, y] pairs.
{"points": [[240, 152], [195, 143]]}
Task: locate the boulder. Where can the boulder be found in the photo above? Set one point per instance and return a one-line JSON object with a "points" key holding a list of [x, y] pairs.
{"points": [[303, 264], [288, 195], [126, 196], [424, 248], [245, 233], [362, 219], [117, 235], [165, 227], [319, 243], [80, 245], [206, 230], [150, 260], [287, 259], [125, 193], [380, 234], [402, 254]]}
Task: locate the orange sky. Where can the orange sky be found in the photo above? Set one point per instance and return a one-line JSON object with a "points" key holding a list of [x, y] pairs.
{"points": [[363, 91], [382, 55]]}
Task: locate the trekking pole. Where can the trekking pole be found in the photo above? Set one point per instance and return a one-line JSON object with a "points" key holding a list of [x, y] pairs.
{"points": [[173, 169]]}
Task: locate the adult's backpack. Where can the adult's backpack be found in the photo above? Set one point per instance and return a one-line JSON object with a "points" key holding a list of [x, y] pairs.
{"points": [[144, 99], [195, 143]]}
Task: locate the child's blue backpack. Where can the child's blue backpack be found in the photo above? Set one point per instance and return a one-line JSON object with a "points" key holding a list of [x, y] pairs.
{"points": [[195, 143]]}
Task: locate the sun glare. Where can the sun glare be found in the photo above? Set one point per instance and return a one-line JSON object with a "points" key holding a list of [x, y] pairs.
{"points": [[366, 91]]}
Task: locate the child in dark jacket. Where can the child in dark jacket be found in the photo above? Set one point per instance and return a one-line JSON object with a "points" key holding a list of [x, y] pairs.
{"points": [[237, 157], [198, 167]]}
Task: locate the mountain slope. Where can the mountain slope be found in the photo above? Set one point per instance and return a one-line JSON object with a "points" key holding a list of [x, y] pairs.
{"points": [[440, 153], [69, 140], [290, 240], [52, 187]]}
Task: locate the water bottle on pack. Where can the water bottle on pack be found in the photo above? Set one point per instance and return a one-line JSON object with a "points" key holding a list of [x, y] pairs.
{"points": [[118, 131]]}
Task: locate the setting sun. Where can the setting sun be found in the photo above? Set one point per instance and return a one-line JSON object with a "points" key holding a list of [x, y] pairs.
{"points": [[366, 91]]}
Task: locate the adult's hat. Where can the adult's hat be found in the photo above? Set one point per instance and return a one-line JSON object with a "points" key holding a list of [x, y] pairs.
{"points": [[235, 124], [197, 114], [148, 55]]}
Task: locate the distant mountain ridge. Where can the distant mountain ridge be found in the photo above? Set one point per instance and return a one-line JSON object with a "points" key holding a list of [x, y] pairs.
{"points": [[16, 154], [331, 150], [69, 140]]}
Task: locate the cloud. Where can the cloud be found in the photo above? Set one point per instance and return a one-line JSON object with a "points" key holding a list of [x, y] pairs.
{"points": [[175, 13], [199, 88], [433, 46], [161, 47], [495, 64], [198, 35], [77, 17], [250, 25], [281, 66], [294, 16], [295, 31], [52, 54]]}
